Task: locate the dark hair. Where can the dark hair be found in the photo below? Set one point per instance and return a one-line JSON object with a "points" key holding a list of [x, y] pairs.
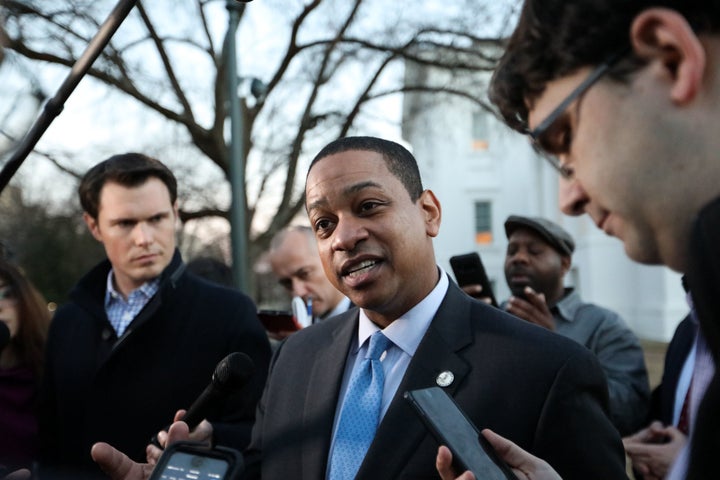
{"points": [[554, 38], [129, 170], [33, 318], [399, 161]]}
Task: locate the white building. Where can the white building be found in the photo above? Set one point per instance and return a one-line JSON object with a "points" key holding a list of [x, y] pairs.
{"points": [[482, 172]]}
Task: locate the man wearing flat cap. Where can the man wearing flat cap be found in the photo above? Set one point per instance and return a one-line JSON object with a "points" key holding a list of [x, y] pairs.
{"points": [[539, 254]]}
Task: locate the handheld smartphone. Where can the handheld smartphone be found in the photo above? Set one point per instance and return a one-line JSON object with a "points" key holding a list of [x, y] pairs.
{"points": [[278, 321], [469, 270], [448, 423], [195, 461]]}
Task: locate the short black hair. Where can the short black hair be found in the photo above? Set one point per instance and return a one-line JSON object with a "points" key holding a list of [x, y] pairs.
{"points": [[398, 159], [129, 170]]}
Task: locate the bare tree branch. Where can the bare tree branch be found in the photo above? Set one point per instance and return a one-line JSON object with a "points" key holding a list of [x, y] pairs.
{"points": [[323, 81]]}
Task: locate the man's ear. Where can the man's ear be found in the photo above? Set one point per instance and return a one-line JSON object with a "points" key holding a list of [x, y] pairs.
{"points": [[663, 35], [432, 212], [92, 225]]}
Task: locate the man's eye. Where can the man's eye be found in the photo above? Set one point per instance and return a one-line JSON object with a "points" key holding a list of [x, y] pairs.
{"points": [[558, 138], [321, 225], [367, 206]]}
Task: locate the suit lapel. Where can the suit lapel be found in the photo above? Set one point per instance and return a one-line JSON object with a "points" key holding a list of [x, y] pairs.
{"points": [[322, 394], [401, 431]]}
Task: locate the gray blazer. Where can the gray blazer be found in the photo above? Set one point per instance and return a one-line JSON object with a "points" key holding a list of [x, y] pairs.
{"points": [[544, 392]]}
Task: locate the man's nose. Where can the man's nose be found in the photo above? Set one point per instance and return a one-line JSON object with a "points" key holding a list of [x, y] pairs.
{"points": [[572, 197], [143, 234], [348, 232], [520, 256], [300, 288]]}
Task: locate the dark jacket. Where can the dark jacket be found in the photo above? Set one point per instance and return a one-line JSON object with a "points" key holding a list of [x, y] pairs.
{"points": [[703, 279], [123, 391], [543, 391]]}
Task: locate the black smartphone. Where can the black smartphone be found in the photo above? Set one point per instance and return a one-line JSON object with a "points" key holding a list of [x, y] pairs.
{"points": [[195, 461], [469, 270], [451, 427], [278, 321]]}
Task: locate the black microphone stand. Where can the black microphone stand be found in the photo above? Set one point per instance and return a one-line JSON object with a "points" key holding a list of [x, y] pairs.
{"points": [[55, 105]]}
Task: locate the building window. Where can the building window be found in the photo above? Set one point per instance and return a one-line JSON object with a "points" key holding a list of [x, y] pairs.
{"points": [[479, 131], [483, 223]]}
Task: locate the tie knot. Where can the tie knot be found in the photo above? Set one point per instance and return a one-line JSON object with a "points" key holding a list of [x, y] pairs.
{"points": [[378, 344]]}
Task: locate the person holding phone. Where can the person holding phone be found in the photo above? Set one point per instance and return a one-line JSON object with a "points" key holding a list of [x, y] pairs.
{"points": [[537, 259]]}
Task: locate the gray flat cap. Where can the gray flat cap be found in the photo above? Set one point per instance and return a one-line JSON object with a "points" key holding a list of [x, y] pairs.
{"points": [[553, 234]]}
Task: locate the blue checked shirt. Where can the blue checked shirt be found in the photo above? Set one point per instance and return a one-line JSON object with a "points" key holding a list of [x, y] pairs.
{"points": [[121, 312]]}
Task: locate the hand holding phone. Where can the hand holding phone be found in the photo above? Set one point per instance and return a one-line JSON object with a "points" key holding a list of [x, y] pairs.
{"points": [[469, 270], [448, 423], [194, 461]]}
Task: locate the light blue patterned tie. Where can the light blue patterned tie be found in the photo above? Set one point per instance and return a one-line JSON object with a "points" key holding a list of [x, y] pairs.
{"points": [[360, 412]]}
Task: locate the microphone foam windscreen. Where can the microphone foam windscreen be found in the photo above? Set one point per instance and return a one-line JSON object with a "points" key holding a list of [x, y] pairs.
{"points": [[233, 371]]}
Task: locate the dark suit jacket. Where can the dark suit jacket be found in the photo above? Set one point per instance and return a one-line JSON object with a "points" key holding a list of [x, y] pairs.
{"points": [[703, 279], [663, 397], [543, 391]]}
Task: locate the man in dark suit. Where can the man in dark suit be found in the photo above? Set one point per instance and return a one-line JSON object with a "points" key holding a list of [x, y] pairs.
{"points": [[374, 226]]}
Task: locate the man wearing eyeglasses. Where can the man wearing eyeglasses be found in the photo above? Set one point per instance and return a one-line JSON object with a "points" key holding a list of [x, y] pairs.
{"points": [[624, 98]]}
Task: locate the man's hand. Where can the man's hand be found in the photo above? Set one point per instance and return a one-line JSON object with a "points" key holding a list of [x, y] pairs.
{"points": [[202, 433], [532, 308], [652, 450], [475, 291], [524, 465], [117, 465]]}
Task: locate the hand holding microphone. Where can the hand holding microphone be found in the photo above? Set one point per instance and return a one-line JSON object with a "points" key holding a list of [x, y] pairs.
{"points": [[231, 374]]}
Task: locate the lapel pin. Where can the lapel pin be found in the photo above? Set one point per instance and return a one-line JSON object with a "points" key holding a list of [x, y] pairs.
{"points": [[444, 379]]}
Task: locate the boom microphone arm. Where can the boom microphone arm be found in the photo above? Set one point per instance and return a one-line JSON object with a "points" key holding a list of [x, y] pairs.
{"points": [[54, 106]]}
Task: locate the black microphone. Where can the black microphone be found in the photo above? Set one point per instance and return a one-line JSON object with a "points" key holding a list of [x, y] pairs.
{"points": [[231, 374], [4, 336]]}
